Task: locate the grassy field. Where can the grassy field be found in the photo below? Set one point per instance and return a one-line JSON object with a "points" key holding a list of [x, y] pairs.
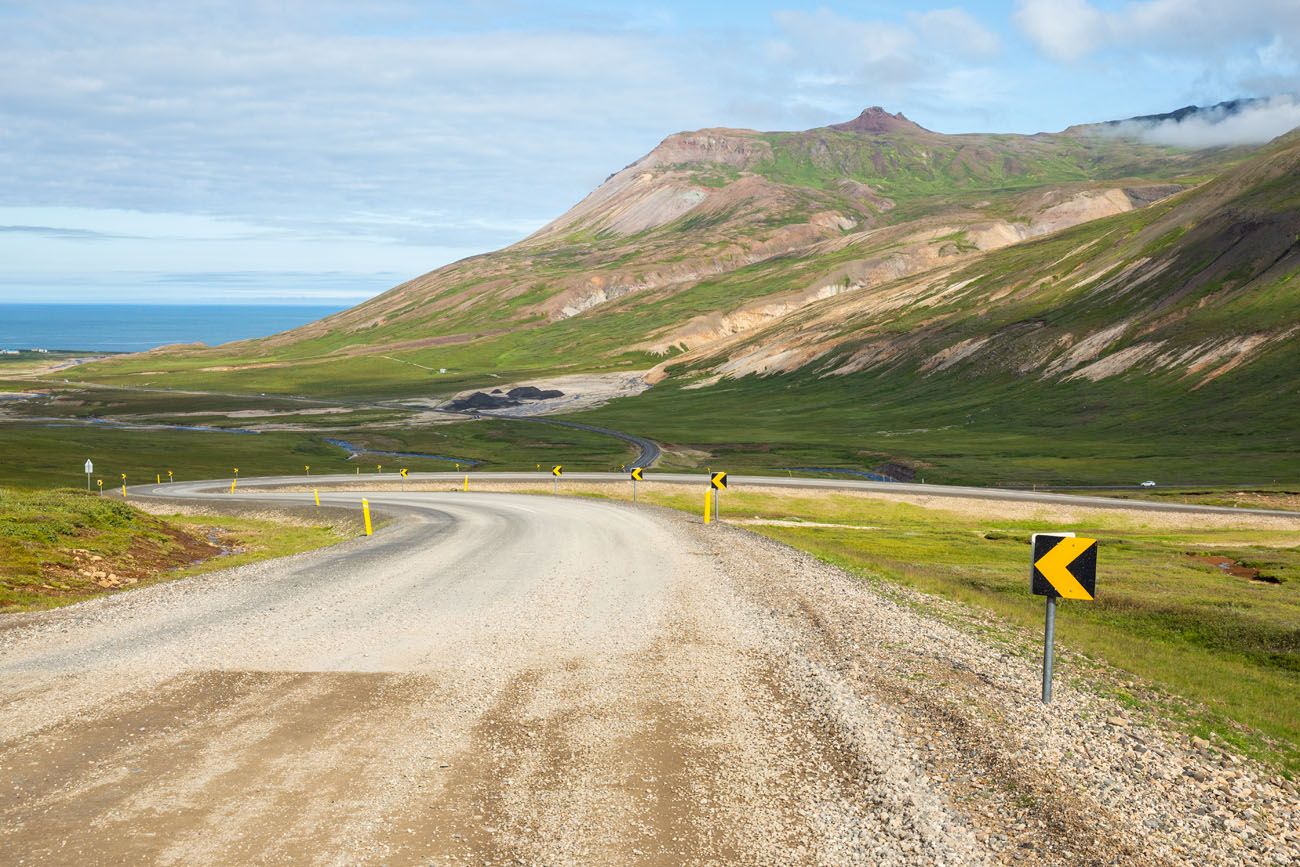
{"points": [[987, 431], [1164, 612], [51, 454], [60, 547], [1232, 497]]}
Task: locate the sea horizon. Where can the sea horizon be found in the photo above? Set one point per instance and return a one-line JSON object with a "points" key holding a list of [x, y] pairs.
{"points": [[136, 327]]}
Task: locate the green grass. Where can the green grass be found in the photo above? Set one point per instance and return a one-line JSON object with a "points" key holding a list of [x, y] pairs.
{"points": [[49, 539], [44, 456], [990, 430], [1230, 645]]}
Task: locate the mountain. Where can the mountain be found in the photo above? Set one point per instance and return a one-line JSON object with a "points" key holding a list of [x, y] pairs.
{"points": [[1197, 284], [865, 276], [1218, 111], [712, 232]]}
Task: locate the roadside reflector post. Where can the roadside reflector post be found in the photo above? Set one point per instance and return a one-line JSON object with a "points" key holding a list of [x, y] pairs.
{"points": [[467, 482], [316, 493], [158, 478], [89, 468], [124, 486], [307, 469], [365, 513], [233, 482], [708, 505], [1062, 566]]}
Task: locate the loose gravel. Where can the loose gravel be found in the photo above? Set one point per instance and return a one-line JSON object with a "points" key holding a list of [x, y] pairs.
{"points": [[502, 679]]}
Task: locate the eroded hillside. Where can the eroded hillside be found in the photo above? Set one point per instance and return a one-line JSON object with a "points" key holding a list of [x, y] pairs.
{"points": [[728, 248]]}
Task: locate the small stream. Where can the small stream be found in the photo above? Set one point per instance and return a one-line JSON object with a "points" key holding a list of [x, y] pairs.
{"points": [[355, 451]]}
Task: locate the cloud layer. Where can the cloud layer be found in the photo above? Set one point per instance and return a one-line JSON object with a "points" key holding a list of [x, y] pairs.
{"points": [[1073, 29], [329, 136], [1256, 123]]}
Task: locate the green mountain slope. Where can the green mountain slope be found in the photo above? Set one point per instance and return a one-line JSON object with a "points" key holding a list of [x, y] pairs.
{"points": [[1160, 342], [1072, 306]]}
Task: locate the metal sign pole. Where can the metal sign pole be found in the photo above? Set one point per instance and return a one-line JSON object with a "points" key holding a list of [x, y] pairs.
{"points": [[1049, 632]]}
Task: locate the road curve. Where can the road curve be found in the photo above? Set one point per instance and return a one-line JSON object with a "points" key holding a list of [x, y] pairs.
{"points": [[502, 678], [741, 482]]}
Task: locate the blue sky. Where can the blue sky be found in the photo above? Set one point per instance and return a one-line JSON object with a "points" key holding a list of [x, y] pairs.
{"points": [[320, 152]]}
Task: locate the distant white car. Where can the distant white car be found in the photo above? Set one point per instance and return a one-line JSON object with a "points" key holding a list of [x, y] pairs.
{"points": [[1148, 484]]}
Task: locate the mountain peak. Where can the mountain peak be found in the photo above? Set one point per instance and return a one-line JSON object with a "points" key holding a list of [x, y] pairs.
{"points": [[876, 120]]}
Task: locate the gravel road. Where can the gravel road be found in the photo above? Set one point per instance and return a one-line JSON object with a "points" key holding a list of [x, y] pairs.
{"points": [[512, 679]]}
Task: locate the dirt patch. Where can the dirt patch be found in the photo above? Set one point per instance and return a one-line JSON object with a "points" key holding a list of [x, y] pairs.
{"points": [[1233, 567], [89, 574]]}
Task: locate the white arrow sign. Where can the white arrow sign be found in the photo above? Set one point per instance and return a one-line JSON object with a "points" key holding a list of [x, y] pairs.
{"points": [[90, 468]]}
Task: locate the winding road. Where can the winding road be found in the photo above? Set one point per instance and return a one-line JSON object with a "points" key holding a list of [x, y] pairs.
{"points": [[514, 679]]}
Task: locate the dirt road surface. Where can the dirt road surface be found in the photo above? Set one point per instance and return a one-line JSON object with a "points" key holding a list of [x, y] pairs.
{"points": [[510, 679]]}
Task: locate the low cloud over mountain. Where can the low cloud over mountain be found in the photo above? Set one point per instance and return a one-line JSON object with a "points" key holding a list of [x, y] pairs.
{"points": [[1239, 122]]}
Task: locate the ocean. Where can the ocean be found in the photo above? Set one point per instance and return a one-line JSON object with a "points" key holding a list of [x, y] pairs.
{"points": [[137, 327]]}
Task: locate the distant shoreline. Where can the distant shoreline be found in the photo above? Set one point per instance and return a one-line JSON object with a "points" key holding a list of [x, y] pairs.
{"points": [[119, 328]]}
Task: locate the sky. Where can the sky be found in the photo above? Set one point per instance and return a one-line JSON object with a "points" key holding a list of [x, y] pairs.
{"points": [[321, 151]]}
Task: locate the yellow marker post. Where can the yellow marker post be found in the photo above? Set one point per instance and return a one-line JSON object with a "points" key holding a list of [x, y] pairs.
{"points": [[307, 469], [379, 468], [708, 505], [124, 486], [158, 478], [317, 494], [233, 482], [365, 511], [467, 483]]}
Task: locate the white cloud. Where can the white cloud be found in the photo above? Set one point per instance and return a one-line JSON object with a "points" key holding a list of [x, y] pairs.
{"points": [[843, 64], [1072, 29], [1064, 29], [1253, 124], [956, 30]]}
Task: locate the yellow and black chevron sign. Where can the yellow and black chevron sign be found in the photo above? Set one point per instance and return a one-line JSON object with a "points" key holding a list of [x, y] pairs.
{"points": [[1064, 566], [719, 480], [636, 474], [557, 470], [403, 472]]}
